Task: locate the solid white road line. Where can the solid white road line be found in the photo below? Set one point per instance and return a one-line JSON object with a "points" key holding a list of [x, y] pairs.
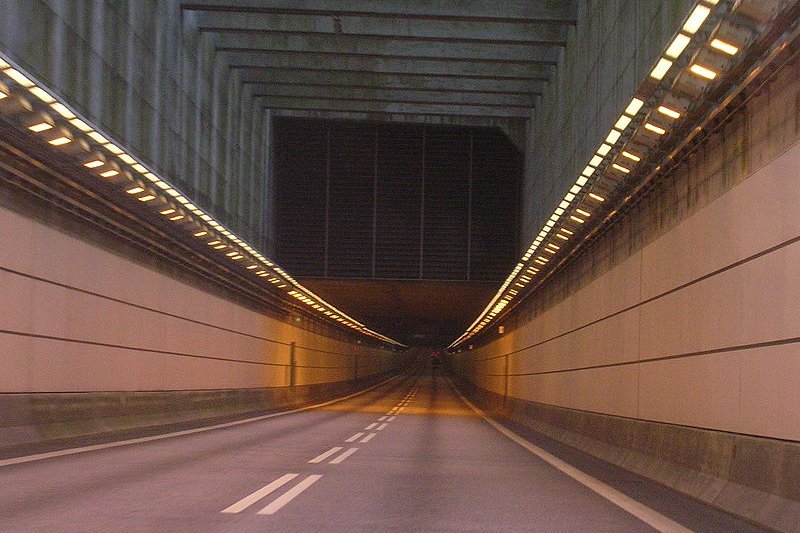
{"points": [[390, 418], [290, 495], [344, 456], [650, 517], [371, 426], [139, 440], [355, 437], [247, 501], [381, 427], [321, 457], [368, 437]]}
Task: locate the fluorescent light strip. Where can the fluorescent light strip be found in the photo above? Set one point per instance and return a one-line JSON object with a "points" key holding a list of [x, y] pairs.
{"points": [[60, 141], [702, 71], [634, 107], [678, 45], [64, 111], [632, 157], [42, 95], [661, 69], [622, 122], [724, 47], [696, 19], [18, 77], [42, 126], [671, 113]]}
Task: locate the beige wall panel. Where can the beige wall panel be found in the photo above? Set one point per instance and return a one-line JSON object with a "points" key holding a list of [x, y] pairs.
{"points": [[610, 293], [700, 391], [37, 307], [739, 224], [754, 302], [770, 396], [61, 312], [55, 366], [734, 386], [611, 390], [15, 351], [615, 340]]}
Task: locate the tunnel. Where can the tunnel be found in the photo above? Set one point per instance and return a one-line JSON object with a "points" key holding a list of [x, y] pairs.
{"points": [[399, 265]]}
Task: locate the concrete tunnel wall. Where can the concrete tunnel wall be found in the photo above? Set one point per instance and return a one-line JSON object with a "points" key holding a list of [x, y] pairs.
{"points": [[94, 343], [609, 51], [142, 73], [75, 317], [670, 346]]}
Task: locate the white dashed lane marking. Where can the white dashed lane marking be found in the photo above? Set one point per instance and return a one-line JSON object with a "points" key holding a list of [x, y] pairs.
{"points": [[368, 437], [371, 426], [321, 457], [290, 495], [381, 427], [344, 456], [263, 492], [355, 437]]}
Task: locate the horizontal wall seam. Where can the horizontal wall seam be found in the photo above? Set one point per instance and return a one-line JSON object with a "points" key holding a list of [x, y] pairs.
{"points": [[755, 345], [162, 313], [156, 351], [688, 284]]}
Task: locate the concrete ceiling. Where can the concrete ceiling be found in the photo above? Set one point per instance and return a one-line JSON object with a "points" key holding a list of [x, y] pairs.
{"points": [[471, 62], [465, 62]]}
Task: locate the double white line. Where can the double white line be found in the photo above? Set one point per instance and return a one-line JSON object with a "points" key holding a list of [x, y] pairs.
{"points": [[333, 451], [266, 490]]}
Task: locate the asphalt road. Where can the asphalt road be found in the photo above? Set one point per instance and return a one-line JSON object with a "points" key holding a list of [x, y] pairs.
{"points": [[410, 455]]}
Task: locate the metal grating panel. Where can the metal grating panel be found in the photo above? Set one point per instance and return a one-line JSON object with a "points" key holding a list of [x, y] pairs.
{"points": [[389, 201], [300, 157], [399, 202]]}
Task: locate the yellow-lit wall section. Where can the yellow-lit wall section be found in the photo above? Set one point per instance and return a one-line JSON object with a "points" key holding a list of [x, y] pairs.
{"points": [[75, 317]]}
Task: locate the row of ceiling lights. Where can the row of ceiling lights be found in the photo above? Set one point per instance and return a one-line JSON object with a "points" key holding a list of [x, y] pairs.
{"points": [[639, 129], [51, 121]]}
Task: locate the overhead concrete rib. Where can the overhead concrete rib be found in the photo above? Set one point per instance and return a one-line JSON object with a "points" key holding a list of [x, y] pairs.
{"points": [[400, 83], [393, 95], [468, 31], [481, 61], [356, 45], [389, 65]]}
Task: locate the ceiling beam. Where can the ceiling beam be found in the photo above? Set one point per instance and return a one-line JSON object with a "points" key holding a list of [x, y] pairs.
{"points": [[362, 115], [378, 94], [424, 30], [547, 11], [389, 81], [460, 69], [386, 47], [513, 128], [370, 106]]}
